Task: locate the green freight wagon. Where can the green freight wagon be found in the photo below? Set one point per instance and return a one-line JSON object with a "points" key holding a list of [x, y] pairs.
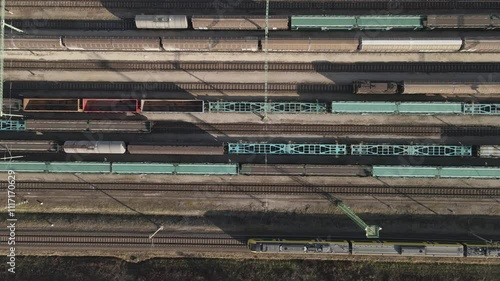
{"points": [[323, 22], [389, 22]]}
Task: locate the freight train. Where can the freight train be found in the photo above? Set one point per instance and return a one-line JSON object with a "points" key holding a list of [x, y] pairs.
{"points": [[120, 147], [376, 248], [485, 44], [325, 22], [207, 169]]}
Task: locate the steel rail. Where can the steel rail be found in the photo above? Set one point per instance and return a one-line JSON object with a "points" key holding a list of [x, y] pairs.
{"points": [[245, 128], [290, 189], [260, 5], [119, 241], [423, 67], [21, 86]]}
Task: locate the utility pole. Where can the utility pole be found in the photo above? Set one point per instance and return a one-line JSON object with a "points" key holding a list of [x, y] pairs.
{"points": [[266, 62], [158, 230]]}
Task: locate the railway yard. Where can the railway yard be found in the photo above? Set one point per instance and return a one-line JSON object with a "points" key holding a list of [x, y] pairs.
{"points": [[356, 130]]}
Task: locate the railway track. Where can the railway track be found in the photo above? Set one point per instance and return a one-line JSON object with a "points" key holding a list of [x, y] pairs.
{"points": [[248, 4], [289, 189], [20, 86], [125, 240], [274, 129], [252, 66]]}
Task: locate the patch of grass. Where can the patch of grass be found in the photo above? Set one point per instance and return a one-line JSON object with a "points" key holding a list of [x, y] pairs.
{"points": [[110, 269]]}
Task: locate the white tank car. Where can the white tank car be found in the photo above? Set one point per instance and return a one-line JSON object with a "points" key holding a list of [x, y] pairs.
{"points": [[489, 151], [161, 22], [95, 147]]}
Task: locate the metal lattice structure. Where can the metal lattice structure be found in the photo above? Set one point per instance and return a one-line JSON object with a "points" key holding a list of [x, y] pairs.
{"points": [[284, 149], [372, 231], [12, 125], [410, 150], [271, 107], [481, 109]]}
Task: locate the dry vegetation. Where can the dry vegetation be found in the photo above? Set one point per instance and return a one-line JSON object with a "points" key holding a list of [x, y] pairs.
{"points": [[110, 269]]}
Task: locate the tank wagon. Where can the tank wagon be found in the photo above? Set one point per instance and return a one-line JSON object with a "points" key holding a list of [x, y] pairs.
{"points": [[161, 22], [478, 89], [254, 44], [95, 147], [376, 248]]}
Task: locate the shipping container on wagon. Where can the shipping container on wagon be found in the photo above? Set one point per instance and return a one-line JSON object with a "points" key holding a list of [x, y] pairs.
{"points": [[111, 105], [388, 22], [12, 104], [489, 151], [95, 147], [23, 166], [248, 22], [206, 169], [459, 21], [113, 43], [481, 44], [479, 172], [51, 105], [323, 22], [479, 89], [176, 150], [161, 22], [211, 44], [33, 43], [377, 87], [28, 146], [79, 167], [311, 45], [378, 107], [410, 44], [172, 106]]}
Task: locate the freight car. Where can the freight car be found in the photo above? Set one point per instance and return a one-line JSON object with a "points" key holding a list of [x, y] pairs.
{"points": [[95, 147], [410, 45], [161, 22], [239, 22], [211, 44], [376, 248], [462, 21], [254, 44], [478, 89], [112, 105]]}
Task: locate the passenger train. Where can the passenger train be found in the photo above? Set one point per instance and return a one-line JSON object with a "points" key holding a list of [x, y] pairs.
{"points": [[375, 248]]}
